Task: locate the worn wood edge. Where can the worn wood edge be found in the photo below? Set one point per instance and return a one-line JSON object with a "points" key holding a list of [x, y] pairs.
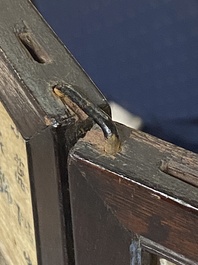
{"points": [[47, 199], [95, 144], [165, 253], [61, 66], [156, 196], [187, 156]]}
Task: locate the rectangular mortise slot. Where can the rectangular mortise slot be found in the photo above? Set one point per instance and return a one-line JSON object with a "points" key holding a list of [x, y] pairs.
{"points": [[33, 48]]}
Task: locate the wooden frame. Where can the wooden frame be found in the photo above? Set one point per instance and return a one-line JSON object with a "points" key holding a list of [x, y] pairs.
{"points": [[32, 61], [44, 167], [123, 203], [143, 198]]}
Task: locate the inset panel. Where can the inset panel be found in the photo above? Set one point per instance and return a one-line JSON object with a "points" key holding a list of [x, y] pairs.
{"points": [[17, 235]]}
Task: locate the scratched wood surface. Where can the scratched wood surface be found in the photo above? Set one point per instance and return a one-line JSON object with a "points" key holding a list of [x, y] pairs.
{"points": [[157, 206], [19, 24], [17, 235]]}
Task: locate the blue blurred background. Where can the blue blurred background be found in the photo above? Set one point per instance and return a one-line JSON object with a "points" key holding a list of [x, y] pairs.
{"points": [[141, 54]]}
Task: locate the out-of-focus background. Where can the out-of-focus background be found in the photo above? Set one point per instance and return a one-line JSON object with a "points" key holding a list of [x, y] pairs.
{"points": [[143, 55]]}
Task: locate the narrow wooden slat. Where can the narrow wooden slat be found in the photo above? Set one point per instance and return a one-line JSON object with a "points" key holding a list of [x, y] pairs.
{"points": [[186, 173]]}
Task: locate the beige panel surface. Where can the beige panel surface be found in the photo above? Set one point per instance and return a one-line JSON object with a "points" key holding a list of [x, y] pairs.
{"points": [[17, 236]]}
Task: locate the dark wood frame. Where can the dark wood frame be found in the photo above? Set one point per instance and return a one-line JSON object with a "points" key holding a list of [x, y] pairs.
{"points": [[44, 167], [125, 202], [118, 202], [32, 61]]}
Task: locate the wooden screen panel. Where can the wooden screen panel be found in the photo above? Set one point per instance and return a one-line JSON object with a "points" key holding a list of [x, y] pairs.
{"points": [[160, 209], [41, 158]]}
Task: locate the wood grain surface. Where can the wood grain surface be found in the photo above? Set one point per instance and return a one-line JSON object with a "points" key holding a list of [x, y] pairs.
{"points": [[158, 207]]}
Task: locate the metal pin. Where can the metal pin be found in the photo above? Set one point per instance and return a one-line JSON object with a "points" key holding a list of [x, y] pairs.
{"points": [[112, 145]]}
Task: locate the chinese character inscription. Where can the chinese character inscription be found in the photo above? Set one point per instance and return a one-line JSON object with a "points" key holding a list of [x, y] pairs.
{"points": [[16, 219]]}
